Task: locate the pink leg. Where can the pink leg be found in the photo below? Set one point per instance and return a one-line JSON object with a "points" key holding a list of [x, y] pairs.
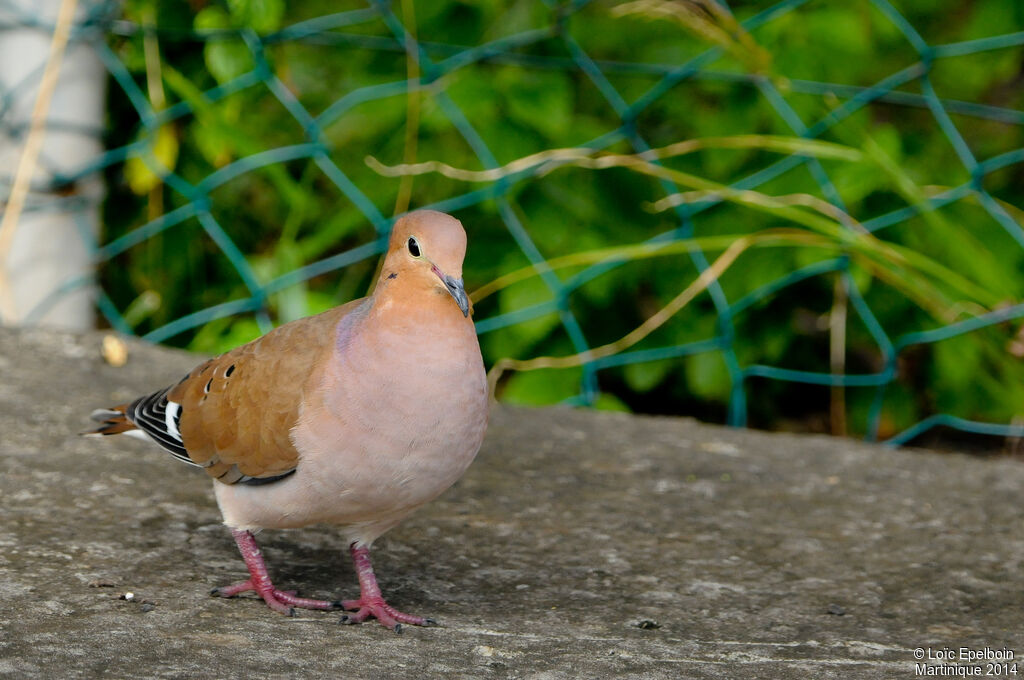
{"points": [[282, 601], [371, 601]]}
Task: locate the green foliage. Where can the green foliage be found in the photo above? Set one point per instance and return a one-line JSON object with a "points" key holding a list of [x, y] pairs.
{"points": [[536, 388], [958, 261]]}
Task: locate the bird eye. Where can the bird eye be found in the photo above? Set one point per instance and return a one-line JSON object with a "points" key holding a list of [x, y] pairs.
{"points": [[414, 247]]}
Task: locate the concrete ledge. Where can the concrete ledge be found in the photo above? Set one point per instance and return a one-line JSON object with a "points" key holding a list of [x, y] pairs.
{"points": [[578, 545]]}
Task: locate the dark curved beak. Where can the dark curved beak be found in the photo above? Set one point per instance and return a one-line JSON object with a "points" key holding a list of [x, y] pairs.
{"points": [[458, 290]]}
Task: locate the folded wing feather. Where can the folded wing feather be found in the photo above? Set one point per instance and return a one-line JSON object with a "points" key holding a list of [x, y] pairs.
{"points": [[232, 415]]}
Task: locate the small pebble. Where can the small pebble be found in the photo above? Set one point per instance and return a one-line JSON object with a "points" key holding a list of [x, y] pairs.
{"points": [[128, 596], [148, 607], [835, 610], [647, 624], [114, 350]]}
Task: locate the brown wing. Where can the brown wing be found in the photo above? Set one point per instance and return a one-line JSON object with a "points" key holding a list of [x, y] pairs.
{"points": [[237, 410]]}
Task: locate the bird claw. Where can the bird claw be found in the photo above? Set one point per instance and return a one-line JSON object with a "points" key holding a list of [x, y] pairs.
{"points": [[347, 620], [231, 591], [283, 601], [388, 616]]}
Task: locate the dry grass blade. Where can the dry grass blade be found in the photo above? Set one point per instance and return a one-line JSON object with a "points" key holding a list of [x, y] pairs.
{"points": [[30, 154], [706, 278], [554, 158], [638, 251], [708, 20], [412, 105], [753, 197]]}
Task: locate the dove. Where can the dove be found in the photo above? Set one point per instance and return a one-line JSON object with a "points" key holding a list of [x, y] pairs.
{"points": [[353, 418]]}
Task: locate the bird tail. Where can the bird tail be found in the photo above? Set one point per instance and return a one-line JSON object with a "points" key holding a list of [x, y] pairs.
{"points": [[111, 420]]}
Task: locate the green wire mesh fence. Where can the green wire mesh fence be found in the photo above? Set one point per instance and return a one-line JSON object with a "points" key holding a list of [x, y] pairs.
{"points": [[623, 107]]}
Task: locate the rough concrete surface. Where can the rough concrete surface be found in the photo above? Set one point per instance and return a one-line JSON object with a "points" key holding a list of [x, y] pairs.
{"points": [[579, 544]]}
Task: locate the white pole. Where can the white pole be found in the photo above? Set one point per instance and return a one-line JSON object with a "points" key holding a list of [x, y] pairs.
{"points": [[45, 268]]}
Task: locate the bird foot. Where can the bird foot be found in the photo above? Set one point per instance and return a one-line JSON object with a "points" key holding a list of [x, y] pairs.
{"points": [[376, 607], [282, 601]]}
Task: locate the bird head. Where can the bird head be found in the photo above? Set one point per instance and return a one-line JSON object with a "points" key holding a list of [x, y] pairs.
{"points": [[427, 248]]}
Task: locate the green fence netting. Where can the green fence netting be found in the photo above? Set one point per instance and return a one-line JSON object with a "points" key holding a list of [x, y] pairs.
{"points": [[637, 96]]}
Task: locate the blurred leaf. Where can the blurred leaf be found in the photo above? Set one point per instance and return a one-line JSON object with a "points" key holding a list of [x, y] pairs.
{"points": [[220, 335], [142, 308], [215, 147], [536, 388], [861, 278], [645, 376], [516, 341], [956, 362], [317, 302], [609, 402], [263, 16], [527, 94], [707, 376], [856, 181], [227, 58], [140, 178]]}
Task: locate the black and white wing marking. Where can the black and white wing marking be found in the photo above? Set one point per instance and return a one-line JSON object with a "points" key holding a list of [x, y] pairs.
{"points": [[159, 418]]}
